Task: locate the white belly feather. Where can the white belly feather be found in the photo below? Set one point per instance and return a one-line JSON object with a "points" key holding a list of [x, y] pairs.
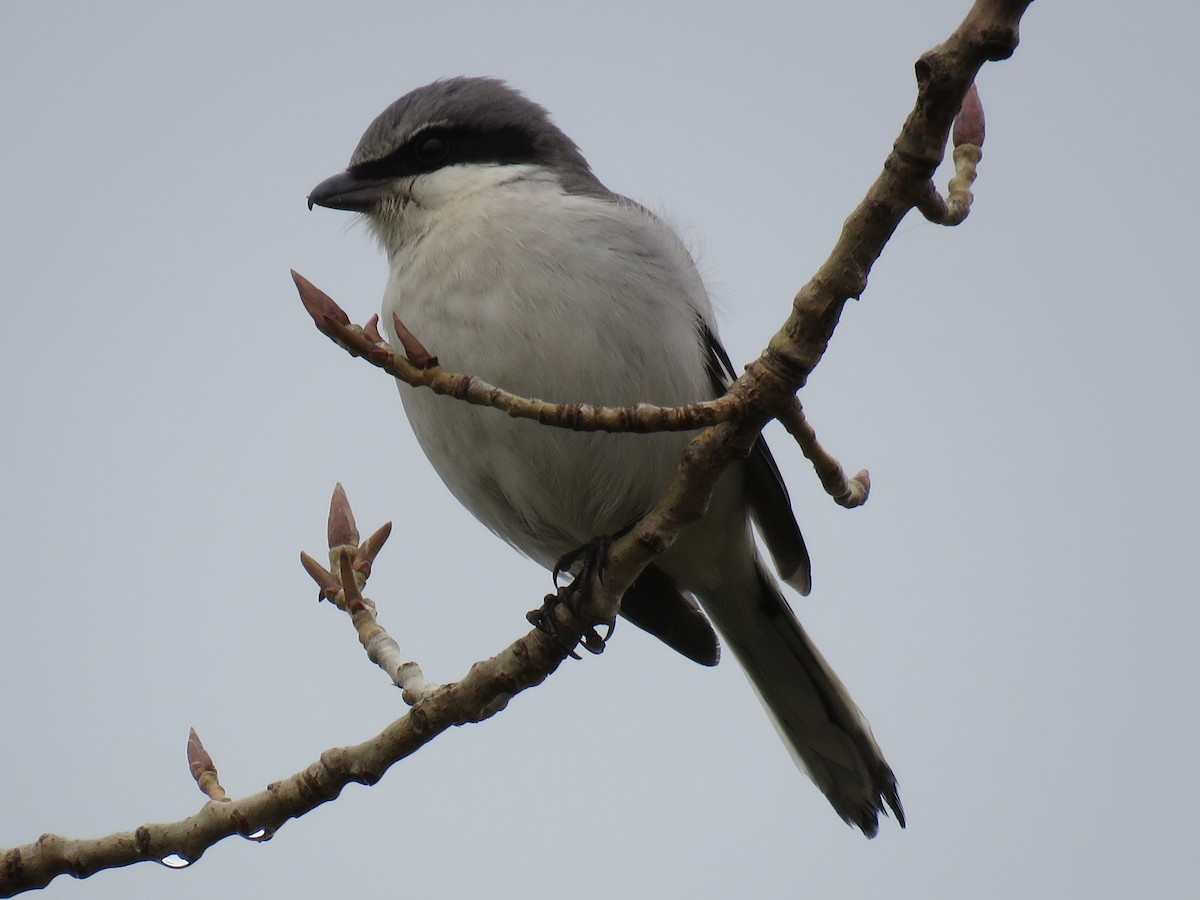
{"points": [[563, 322]]}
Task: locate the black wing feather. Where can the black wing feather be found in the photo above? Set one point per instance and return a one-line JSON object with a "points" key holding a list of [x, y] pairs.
{"points": [[656, 605], [770, 505]]}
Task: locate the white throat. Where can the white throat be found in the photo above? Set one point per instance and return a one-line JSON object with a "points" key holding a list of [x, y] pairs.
{"points": [[421, 201]]}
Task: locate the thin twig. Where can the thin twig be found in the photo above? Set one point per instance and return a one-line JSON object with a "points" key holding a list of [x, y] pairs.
{"points": [[424, 371], [847, 492]]}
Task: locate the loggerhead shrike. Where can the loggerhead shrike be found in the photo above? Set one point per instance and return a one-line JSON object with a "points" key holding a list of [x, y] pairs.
{"points": [[510, 260]]}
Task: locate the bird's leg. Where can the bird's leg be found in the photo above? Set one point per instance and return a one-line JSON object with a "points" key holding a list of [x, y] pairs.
{"points": [[585, 566]]}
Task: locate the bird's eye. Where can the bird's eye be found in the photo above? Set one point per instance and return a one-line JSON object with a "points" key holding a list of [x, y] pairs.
{"points": [[432, 149]]}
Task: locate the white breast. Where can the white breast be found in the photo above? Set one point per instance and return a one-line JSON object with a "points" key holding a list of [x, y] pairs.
{"points": [[561, 297]]}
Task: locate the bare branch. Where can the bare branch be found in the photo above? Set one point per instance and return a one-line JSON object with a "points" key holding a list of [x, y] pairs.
{"points": [[485, 690], [352, 562], [424, 371], [944, 76], [847, 492]]}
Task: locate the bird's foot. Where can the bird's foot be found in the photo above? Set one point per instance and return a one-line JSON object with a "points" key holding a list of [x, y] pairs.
{"points": [[585, 567]]}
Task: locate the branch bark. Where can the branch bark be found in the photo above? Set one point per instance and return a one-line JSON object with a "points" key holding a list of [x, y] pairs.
{"points": [[481, 693], [421, 369]]}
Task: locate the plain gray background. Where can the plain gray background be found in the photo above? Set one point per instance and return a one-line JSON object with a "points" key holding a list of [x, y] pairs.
{"points": [[1014, 609]]}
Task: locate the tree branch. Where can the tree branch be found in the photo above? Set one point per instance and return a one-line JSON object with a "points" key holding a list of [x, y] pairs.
{"points": [[481, 693], [847, 492], [419, 368]]}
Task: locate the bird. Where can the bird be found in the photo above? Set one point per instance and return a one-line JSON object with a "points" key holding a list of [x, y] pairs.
{"points": [[509, 259]]}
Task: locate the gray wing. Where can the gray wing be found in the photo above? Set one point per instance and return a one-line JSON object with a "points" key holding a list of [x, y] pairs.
{"points": [[657, 606], [770, 505]]}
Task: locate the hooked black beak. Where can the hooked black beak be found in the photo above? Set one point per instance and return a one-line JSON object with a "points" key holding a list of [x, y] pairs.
{"points": [[350, 192]]}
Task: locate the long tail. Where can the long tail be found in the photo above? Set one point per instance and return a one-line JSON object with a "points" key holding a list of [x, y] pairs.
{"points": [[823, 728]]}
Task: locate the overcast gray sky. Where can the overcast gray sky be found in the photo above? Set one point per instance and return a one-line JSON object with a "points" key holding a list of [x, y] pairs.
{"points": [[1015, 609]]}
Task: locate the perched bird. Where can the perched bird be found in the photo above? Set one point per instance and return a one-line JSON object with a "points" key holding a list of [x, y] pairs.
{"points": [[510, 260]]}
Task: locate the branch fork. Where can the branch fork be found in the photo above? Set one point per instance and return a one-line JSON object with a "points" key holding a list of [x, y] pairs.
{"points": [[352, 562]]}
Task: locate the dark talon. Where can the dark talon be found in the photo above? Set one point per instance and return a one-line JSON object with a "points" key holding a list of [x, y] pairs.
{"points": [[543, 620], [591, 640], [589, 561], [593, 555]]}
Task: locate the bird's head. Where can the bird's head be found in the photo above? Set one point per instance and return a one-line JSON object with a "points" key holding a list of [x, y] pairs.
{"points": [[434, 143]]}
